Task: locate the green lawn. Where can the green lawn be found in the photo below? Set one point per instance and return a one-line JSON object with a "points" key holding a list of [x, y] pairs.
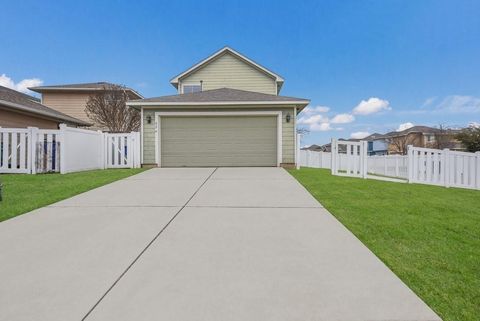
{"points": [[23, 193], [429, 236]]}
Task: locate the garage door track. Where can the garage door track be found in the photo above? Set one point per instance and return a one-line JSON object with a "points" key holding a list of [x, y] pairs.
{"points": [[195, 244]]}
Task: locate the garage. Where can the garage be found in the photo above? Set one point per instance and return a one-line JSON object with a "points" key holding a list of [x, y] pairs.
{"points": [[218, 140]]}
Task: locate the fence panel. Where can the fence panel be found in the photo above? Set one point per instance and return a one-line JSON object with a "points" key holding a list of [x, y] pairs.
{"points": [[388, 165], [47, 158], [14, 150], [122, 150]]}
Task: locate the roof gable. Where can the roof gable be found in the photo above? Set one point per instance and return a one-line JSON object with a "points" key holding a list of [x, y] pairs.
{"points": [[226, 50]]}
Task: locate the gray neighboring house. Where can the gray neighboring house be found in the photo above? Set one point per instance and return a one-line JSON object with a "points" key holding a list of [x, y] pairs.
{"points": [[19, 110], [227, 112]]}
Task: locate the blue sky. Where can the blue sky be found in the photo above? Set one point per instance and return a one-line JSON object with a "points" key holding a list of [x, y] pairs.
{"points": [[377, 64]]}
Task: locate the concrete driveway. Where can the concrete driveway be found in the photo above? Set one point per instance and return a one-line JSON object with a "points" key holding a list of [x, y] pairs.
{"points": [[195, 244]]}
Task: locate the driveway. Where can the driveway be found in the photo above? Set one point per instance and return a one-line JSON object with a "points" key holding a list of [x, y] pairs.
{"points": [[195, 244]]}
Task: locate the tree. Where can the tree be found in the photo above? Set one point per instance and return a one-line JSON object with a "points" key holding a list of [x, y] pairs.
{"points": [[399, 144], [470, 138], [108, 109], [444, 138]]}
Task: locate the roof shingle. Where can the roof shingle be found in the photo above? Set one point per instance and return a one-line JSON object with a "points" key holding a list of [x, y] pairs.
{"points": [[222, 95]]}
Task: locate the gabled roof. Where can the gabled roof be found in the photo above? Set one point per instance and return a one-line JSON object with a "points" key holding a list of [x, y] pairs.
{"points": [[224, 50], [91, 86], [222, 96], [18, 101]]}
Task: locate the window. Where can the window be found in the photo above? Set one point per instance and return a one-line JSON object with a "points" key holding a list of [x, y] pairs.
{"points": [[191, 88]]}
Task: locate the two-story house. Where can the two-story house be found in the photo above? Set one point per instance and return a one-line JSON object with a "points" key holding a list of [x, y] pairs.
{"points": [[71, 99], [228, 112]]}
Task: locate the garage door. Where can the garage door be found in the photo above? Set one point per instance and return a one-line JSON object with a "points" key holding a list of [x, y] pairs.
{"points": [[201, 141]]}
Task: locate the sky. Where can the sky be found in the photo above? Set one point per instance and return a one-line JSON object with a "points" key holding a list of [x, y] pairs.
{"points": [[366, 66]]}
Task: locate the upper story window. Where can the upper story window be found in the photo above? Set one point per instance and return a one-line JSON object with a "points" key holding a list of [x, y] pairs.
{"points": [[191, 88]]}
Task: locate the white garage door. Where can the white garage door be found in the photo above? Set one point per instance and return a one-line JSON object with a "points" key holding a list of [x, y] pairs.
{"points": [[203, 141]]}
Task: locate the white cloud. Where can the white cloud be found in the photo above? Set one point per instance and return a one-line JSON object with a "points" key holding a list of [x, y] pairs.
{"points": [[321, 127], [343, 119], [315, 119], [428, 102], [371, 106], [312, 110], [22, 85], [474, 124], [359, 135], [404, 126], [459, 104]]}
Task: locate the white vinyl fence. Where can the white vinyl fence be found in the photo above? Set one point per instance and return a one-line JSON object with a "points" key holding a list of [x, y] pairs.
{"points": [[421, 165], [388, 165], [66, 150], [444, 167]]}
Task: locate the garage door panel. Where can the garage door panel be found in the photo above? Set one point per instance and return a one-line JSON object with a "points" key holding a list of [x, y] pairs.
{"points": [[218, 141]]}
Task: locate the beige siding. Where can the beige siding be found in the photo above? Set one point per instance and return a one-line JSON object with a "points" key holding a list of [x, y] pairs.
{"points": [[10, 119], [288, 137], [231, 72], [72, 103]]}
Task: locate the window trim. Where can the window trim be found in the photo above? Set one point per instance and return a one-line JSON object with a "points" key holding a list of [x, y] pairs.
{"points": [[191, 84]]}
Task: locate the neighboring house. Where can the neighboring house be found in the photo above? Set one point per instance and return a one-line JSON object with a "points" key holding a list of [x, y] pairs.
{"points": [[71, 99], [18, 110], [376, 145], [314, 148], [396, 142], [227, 113]]}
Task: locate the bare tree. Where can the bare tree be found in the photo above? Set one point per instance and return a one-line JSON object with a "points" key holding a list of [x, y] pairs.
{"points": [[303, 131], [107, 108], [399, 144], [444, 138]]}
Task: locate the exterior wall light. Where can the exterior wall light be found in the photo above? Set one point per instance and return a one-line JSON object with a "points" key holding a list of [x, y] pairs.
{"points": [[149, 119], [288, 118]]}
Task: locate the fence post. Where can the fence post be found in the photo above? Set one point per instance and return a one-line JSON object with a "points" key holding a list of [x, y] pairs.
{"points": [[397, 170], [410, 163], [364, 156], [446, 167], [333, 149], [297, 151], [32, 149], [63, 148], [477, 170]]}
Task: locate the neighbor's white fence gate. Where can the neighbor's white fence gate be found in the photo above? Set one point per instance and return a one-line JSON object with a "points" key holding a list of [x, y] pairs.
{"points": [[354, 155], [66, 150], [15, 151]]}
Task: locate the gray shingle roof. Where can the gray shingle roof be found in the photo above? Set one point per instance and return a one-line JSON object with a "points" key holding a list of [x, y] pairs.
{"points": [[22, 102], [83, 86], [222, 95]]}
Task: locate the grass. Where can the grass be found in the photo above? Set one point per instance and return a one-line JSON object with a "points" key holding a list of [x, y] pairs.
{"points": [[23, 193], [429, 236]]}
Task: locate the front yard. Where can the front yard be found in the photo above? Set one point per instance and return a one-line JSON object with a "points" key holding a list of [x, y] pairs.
{"points": [[429, 236], [23, 193]]}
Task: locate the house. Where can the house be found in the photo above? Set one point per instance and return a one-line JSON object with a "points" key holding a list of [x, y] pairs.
{"points": [[18, 110], [396, 142], [227, 112], [376, 144], [71, 99], [314, 148]]}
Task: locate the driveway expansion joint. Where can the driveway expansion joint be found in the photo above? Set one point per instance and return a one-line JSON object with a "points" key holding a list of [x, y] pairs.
{"points": [[146, 247]]}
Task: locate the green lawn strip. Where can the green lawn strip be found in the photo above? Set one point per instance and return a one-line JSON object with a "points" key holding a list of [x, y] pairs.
{"points": [[428, 235], [23, 193]]}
